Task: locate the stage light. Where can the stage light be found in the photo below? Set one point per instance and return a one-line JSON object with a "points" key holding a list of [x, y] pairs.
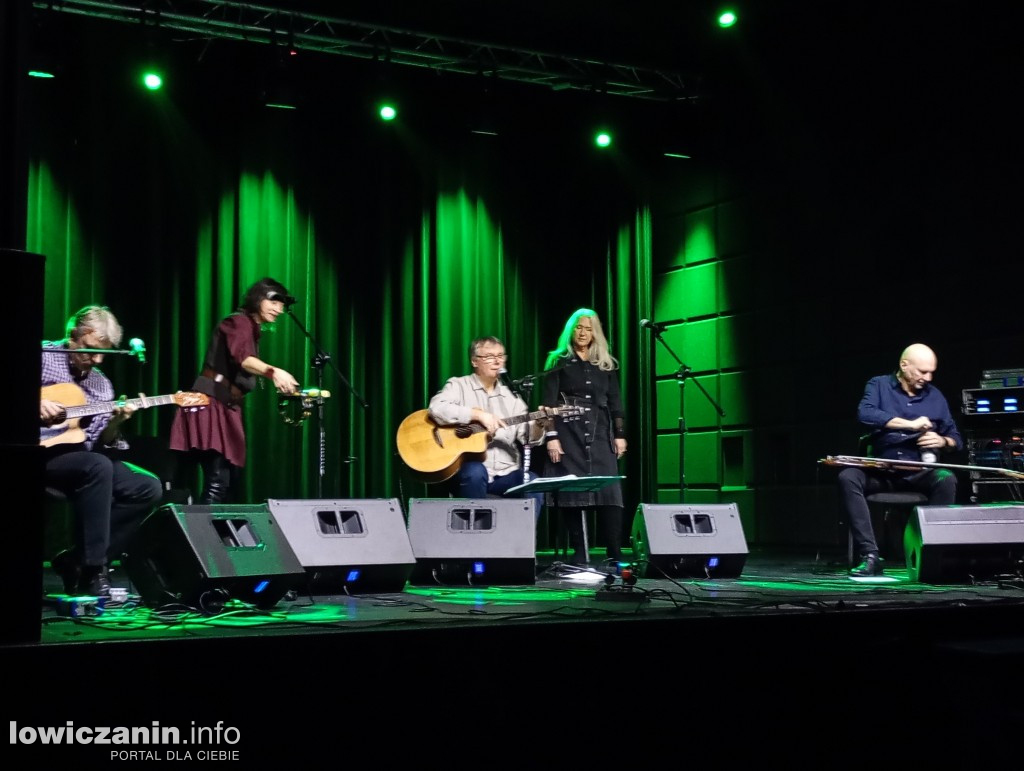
{"points": [[388, 112], [40, 74], [152, 81], [603, 139], [726, 19], [676, 155]]}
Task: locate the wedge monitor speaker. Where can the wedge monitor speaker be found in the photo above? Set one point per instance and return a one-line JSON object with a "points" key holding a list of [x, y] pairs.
{"points": [[348, 546], [693, 540]]}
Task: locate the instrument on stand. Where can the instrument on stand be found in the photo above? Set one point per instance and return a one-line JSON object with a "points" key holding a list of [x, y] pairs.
{"points": [[889, 464], [295, 409]]}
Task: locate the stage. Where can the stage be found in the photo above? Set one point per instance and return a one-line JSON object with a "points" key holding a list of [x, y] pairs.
{"points": [[789, 656]]}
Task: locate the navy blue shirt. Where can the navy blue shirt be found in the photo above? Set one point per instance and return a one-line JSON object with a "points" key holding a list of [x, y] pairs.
{"points": [[885, 399]]}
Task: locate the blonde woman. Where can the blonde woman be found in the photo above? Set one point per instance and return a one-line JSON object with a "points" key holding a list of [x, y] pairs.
{"points": [[582, 369]]}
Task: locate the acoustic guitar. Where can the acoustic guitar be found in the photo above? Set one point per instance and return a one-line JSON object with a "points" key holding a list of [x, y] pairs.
{"points": [[435, 453], [65, 429]]}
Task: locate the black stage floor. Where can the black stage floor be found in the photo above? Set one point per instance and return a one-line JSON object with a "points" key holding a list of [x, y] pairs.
{"points": [[790, 658]]}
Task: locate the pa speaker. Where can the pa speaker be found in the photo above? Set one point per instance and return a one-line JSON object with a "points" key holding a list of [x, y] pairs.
{"points": [[955, 544], [201, 556], [468, 541], [702, 541], [348, 546]]}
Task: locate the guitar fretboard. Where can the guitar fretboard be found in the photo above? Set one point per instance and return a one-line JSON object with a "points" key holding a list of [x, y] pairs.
{"points": [[99, 408]]}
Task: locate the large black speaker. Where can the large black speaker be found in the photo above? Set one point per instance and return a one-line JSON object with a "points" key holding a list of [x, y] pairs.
{"points": [[349, 546], [956, 544], [482, 542], [697, 540], [201, 556]]}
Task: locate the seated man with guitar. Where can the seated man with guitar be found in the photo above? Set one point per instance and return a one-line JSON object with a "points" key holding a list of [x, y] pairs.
{"points": [[910, 421], [482, 403], [108, 497]]}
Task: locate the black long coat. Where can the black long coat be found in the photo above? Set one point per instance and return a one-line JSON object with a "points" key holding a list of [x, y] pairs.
{"points": [[588, 440]]}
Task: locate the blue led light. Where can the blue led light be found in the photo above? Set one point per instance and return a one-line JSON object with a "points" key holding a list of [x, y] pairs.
{"points": [[1009, 400], [478, 567], [353, 575], [713, 562], [261, 586], [983, 409], [983, 402]]}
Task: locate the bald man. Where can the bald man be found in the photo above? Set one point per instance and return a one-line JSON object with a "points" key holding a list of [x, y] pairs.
{"points": [[907, 416]]}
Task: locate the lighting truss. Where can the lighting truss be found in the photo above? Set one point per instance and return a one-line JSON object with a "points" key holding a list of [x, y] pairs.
{"points": [[303, 30]]}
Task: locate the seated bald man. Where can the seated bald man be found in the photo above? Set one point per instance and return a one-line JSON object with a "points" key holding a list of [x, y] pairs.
{"points": [[907, 416]]}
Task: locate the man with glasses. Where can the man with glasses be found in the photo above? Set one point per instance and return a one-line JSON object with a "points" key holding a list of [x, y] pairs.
{"points": [[482, 398]]}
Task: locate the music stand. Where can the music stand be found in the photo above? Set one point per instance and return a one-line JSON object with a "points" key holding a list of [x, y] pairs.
{"points": [[568, 484]]}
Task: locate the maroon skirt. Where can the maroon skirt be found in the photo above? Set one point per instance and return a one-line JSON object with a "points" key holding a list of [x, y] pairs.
{"points": [[215, 427]]}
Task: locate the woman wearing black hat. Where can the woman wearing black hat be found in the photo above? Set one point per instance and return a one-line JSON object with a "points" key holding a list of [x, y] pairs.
{"points": [[230, 368]]}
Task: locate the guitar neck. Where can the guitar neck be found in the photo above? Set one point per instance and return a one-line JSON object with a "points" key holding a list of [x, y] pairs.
{"points": [[860, 461], [98, 408], [525, 418]]}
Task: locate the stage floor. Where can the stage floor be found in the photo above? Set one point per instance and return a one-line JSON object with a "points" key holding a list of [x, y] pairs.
{"points": [[768, 585], [787, 660]]}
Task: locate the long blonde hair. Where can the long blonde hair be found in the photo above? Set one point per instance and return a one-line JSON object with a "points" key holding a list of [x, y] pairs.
{"points": [[598, 353]]}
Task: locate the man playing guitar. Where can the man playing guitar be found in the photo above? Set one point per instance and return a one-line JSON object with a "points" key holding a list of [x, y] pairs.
{"points": [[109, 498]]}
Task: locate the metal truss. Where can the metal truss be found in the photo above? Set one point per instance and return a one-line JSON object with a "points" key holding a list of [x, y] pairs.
{"points": [[303, 30]]}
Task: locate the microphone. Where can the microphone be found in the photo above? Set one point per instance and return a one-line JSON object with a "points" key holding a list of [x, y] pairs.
{"points": [[138, 349], [287, 299], [653, 326]]}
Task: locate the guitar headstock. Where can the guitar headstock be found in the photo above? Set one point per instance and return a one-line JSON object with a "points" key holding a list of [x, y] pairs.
{"points": [[191, 399], [569, 411]]}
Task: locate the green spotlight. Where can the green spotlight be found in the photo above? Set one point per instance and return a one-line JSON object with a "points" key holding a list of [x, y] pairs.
{"points": [[40, 74], [152, 81], [388, 112], [726, 18], [603, 139]]}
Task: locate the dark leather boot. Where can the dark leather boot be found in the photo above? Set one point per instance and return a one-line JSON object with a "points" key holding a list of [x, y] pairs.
{"points": [[216, 478]]}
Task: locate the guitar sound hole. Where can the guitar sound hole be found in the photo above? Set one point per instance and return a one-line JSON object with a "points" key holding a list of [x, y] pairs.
{"points": [[463, 431]]}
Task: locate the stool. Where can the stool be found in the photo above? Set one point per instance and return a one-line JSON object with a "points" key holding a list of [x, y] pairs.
{"points": [[891, 505]]}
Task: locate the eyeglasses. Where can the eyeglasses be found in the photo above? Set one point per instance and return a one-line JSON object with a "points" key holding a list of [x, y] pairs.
{"points": [[493, 358]]}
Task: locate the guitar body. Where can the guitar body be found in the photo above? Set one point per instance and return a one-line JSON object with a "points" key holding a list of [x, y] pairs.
{"points": [[436, 453], [67, 432], [77, 406]]}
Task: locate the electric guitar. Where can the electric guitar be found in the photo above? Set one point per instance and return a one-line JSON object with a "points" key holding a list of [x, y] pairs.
{"points": [[64, 429], [435, 453]]}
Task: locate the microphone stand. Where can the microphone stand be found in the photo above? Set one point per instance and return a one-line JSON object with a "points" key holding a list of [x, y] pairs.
{"points": [[319, 360], [681, 375]]}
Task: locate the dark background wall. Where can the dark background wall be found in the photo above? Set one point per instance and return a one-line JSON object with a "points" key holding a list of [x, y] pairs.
{"points": [[853, 186]]}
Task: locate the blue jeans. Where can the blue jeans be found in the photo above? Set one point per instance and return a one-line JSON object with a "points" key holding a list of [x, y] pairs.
{"points": [[471, 482]]}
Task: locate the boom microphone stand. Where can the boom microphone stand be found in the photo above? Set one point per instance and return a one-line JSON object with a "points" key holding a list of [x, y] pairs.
{"points": [[681, 376], [320, 359]]}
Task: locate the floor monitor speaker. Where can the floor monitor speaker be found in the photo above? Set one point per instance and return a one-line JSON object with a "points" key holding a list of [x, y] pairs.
{"points": [[489, 541], [695, 540], [201, 556], [958, 544], [349, 546]]}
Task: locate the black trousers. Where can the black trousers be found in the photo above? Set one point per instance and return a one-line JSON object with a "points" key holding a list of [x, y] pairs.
{"points": [[109, 499], [855, 483], [609, 522]]}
